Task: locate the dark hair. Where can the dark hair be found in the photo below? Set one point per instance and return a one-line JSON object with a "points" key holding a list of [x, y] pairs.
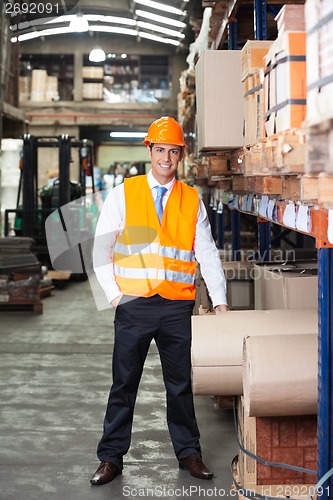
{"points": [[152, 144]]}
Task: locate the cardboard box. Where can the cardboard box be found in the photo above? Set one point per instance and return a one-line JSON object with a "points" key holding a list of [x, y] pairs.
{"points": [[92, 91], [93, 72], [291, 18], [253, 53], [218, 164], [38, 85], [254, 108], [319, 53], [24, 88], [279, 286], [240, 286], [219, 96], [51, 89], [290, 440], [285, 83]]}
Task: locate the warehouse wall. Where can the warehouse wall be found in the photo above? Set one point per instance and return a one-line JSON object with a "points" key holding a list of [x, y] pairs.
{"points": [[108, 154]]}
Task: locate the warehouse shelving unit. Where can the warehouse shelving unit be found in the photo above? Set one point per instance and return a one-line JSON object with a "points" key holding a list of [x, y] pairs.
{"points": [[317, 220], [309, 219]]}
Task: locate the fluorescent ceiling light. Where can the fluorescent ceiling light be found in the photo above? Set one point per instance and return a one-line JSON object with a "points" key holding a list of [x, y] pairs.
{"points": [[79, 23], [94, 17], [160, 29], [160, 19], [97, 55], [120, 135], [161, 6], [48, 32], [158, 38], [113, 29], [110, 19]]}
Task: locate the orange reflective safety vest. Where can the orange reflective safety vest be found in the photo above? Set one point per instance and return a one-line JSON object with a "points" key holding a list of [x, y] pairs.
{"points": [[150, 258]]}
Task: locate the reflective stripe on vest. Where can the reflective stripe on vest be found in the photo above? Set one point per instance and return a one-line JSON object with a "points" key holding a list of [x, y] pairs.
{"points": [[154, 274], [143, 248]]}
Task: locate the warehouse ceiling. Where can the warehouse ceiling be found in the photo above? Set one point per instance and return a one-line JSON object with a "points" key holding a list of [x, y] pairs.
{"points": [[168, 23]]}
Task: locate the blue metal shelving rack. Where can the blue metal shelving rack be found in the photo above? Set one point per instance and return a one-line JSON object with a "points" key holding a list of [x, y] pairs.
{"points": [[325, 368], [325, 291]]}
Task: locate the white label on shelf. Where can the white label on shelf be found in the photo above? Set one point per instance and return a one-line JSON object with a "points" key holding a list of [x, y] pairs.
{"points": [[303, 221], [263, 205], [330, 226], [289, 216], [270, 209], [249, 203]]}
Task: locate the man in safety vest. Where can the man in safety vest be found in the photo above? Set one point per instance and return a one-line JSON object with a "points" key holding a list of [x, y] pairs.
{"points": [[151, 231]]}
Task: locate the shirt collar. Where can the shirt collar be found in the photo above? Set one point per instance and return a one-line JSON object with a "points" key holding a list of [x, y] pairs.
{"points": [[152, 182]]}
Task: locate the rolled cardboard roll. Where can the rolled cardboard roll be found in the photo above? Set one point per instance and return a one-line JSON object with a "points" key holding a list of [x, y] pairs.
{"points": [[280, 375], [217, 344]]}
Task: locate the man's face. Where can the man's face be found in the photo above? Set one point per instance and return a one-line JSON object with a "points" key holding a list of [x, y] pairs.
{"points": [[164, 161]]}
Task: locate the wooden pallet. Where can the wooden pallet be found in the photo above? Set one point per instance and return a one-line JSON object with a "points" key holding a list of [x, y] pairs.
{"points": [[35, 307]]}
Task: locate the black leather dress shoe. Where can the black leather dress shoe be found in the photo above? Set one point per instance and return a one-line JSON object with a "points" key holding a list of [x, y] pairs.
{"points": [[105, 473], [194, 464]]}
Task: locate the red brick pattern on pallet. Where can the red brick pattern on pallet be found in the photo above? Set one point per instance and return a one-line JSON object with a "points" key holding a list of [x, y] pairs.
{"points": [[290, 440]]}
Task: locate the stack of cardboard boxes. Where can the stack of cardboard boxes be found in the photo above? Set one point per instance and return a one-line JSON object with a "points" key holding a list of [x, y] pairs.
{"points": [[40, 87]]}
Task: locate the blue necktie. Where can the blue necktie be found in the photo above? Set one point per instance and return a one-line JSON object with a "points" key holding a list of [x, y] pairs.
{"points": [[158, 202]]}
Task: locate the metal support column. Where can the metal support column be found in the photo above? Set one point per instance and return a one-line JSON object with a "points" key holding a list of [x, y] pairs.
{"points": [[235, 230], [220, 229], [235, 215], [232, 34], [30, 194], [325, 367], [260, 19], [264, 240], [212, 219], [64, 168]]}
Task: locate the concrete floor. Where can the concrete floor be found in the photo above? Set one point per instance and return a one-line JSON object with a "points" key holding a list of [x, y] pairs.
{"points": [[55, 374]]}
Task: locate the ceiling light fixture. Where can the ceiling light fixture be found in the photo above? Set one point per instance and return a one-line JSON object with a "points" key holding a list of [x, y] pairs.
{"points": [[93, 18], [160, 29], [112, 29], [161, 6], [79, 23], [128, 135], [160, 19], [97, 55], [48, 32], [169, 41]]}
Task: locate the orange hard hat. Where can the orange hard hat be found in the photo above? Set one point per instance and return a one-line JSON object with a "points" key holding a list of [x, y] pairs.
{"points": [[165, 130]]}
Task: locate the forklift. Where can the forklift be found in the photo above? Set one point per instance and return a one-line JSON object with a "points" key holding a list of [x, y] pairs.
{"points": [[38, 203]]}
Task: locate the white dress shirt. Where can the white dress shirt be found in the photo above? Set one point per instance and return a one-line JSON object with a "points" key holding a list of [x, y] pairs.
{"points": [[111, 223]]}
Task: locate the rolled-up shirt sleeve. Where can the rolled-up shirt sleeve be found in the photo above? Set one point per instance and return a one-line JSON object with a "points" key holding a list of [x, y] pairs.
{"points": [[109, 225], [207, 255]]}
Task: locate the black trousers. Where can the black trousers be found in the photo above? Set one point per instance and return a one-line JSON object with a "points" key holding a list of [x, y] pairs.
{"points": [[137, 322]]}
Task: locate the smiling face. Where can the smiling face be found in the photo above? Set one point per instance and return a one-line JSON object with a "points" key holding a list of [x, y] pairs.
{"points": [[164, 161]]}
